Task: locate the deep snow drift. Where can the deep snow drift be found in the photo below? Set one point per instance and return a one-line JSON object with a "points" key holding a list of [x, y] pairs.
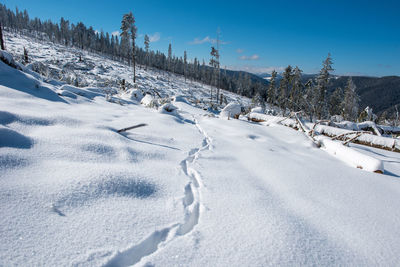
{"points": [[188, 189]]}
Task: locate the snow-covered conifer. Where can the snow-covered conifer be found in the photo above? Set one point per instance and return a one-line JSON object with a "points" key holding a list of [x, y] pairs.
{"points": [[272, 94], [322, 88], [128, 29], [335, 102], [350, 101]]}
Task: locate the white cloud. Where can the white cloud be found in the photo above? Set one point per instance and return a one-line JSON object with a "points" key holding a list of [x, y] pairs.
{"points": [[116, 33], [239, 51], [252, 57], [155, 37], [202, 41], [206, 39]]}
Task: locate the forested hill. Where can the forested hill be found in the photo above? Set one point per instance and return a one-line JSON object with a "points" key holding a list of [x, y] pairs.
{"points": [[380, 93]]}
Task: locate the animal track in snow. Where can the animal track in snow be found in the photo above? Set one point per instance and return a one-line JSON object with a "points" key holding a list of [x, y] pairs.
{"points": [[191, 202]]}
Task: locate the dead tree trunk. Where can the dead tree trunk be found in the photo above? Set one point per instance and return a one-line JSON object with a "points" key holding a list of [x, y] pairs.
{"points": [[1, 39]]}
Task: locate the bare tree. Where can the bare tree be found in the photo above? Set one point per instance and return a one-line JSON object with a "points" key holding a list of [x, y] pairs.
{"points": [[1, 38], [147, 46]]}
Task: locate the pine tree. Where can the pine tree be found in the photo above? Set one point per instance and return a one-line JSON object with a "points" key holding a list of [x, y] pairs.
{"points": [[128, 29], [335, 102], [350, 101], [296, 90], [285, 88], [383, 118], [272, 94], [214, 63], [322, 88], [308, 100]]}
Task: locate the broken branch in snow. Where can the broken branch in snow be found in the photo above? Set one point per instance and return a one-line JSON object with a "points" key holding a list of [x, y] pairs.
{"points": [[344, 135], [312, 132], [352, 139], [132, 127]]}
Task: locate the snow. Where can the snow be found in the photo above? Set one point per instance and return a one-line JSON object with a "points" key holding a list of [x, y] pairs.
{"points": [[6, 57], [367, 138], [348, 155], [168, 108], [188, 189], [257, 110], [231, 110], [147, 100], [133, 94]]}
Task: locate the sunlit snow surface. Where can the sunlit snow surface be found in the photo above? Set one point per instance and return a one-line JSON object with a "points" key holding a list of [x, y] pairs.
{"points": [[189, 189]]}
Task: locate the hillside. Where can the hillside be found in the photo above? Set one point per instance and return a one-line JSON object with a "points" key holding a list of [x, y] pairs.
{"points": [[191, 188], [380, 93]]}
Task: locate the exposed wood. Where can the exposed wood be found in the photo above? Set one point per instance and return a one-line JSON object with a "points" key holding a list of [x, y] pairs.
{"points": [[132, 127], [352, 139], [342, 136], [312, 132]]}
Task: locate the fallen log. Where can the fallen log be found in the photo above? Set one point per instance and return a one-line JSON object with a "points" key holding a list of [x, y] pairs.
{"points": [[132, 127], [351, 156]]}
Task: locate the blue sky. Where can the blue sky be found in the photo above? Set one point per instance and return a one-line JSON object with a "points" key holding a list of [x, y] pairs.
{"points": [[363, 37]]}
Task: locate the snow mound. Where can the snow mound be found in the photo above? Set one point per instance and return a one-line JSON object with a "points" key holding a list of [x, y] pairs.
{"points": [[180, 98], [168, 108], [232, 110], [133, 94], [104, 188], [26, 83], [87, 92], [11, 138], [7, 58], [257, 110], [148, 101]]}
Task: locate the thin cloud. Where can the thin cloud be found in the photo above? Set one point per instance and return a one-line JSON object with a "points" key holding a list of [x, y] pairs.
{"points": [[206, 39], [116, 33], [386, 66], [252, 57], [257, 70], [155, 37], [239, 51]]}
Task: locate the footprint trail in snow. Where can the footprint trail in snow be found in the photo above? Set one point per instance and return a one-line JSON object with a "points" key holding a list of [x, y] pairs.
{"points": [[191, 203]]}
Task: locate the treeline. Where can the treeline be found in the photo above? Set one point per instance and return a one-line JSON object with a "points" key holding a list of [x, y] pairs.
{"points": [[86, 38], [314, 97]]}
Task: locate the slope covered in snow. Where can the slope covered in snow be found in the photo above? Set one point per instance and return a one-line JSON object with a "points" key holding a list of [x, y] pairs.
{"points": [[188, 189], [59, 62]]}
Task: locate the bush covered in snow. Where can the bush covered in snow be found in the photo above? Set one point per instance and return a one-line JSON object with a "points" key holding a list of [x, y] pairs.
{"points": [[8, 59], [133, 94], [149, 101], [232, 110], [168, 108]]}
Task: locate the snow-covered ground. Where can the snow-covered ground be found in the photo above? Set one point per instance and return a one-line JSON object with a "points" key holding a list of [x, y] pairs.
{"points": [[98, 71], [188, 189]]}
